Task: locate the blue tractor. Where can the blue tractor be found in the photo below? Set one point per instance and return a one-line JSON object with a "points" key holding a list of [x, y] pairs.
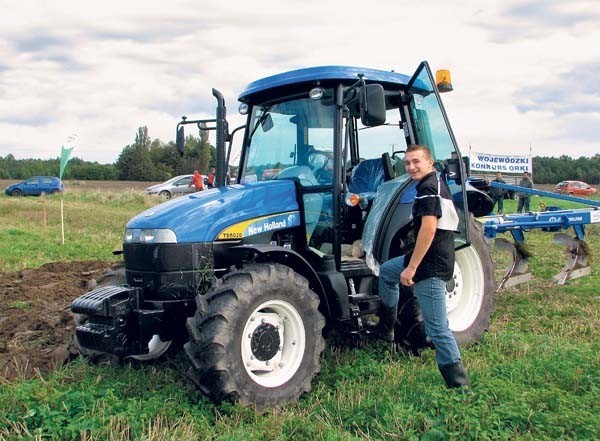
{"points": [[250, 275]]}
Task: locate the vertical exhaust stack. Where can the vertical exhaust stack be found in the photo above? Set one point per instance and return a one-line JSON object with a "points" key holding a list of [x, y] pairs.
{"points": [[222, 132]]}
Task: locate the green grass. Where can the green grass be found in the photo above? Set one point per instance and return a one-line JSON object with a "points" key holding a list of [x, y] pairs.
{"points": [[31, 234], [535, 375], [510, 206]]}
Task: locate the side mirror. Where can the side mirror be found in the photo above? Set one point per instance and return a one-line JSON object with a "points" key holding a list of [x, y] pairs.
{"points": [[267, 122], [372, 105], [180, 140]]}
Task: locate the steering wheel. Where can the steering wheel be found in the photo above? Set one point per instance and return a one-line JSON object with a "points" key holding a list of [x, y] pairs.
{"points": [[324, 174]]}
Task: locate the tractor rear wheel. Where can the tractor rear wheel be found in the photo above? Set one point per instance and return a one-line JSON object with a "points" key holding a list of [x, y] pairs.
{"points": [[469, 298], [470, 292], [256, 337]]}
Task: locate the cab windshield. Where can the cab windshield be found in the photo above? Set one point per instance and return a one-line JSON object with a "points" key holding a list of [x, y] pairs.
{"points": [[291, 137]]}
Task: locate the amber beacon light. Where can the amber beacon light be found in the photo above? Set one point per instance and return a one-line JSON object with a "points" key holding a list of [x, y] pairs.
{"points": [[443, 81]]}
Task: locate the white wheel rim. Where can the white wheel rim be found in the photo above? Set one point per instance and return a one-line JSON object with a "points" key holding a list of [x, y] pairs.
{"points": [[277, 328], [464, 293], [156, 348]]}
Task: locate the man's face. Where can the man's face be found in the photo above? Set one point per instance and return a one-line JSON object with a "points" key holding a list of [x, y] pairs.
{"points": [[417, 164]]}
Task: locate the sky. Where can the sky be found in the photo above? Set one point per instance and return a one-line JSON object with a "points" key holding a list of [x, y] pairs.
{"points": [[526, 73]]}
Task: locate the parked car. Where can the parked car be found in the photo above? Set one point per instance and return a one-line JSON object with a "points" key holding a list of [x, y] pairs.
{"points": [[575, 188], [35, 186], [177, 186]]}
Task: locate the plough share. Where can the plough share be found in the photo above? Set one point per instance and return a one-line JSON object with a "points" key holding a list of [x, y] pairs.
{"points": [[552, 219]]}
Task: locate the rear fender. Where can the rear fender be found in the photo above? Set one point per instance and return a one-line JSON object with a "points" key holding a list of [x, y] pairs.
{"points": [[480, 203]]}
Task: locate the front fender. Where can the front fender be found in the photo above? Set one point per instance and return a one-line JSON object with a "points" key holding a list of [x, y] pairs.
{"points": [[289, 258]]}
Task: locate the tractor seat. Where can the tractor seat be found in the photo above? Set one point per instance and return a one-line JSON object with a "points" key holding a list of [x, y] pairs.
{"points": [[368, 175]]}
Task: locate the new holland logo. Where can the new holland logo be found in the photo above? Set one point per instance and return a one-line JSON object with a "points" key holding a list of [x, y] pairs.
{"points": [[261, 225]]}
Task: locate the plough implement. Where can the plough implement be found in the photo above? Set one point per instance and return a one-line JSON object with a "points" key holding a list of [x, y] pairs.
{"points": [[577, 251]]}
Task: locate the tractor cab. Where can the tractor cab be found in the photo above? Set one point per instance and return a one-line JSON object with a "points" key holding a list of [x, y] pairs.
{"points": [[340, 133]]}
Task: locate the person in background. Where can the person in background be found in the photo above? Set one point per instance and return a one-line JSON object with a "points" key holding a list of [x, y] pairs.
{"points": [[211, 178], [426, 268], [524, 197], [498, 193], [197, 181]]}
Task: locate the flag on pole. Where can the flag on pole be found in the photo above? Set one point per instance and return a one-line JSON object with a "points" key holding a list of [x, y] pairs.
{"points": [[65, 153]]}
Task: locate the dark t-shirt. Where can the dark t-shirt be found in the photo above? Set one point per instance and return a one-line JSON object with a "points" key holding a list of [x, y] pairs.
{"points": [[439, 259]]}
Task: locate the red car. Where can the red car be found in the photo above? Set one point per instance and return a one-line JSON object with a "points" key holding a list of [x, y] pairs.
{"points": [[576, 188]]}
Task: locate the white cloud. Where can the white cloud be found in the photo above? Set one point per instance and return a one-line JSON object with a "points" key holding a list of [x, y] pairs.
{"points": [[104, 69]]}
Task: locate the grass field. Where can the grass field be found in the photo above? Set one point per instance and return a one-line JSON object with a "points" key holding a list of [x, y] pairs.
{"points": [[535, 374]]}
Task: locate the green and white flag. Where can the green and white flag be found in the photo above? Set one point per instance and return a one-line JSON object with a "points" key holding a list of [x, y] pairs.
{"points": [[65, 153]]}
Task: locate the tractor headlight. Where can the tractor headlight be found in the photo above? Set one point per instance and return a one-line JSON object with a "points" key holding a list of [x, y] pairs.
{"points": [[149, 235]]}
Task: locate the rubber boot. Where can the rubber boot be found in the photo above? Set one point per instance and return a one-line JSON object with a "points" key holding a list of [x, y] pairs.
{"points": [[455, 375], [387, 321]]}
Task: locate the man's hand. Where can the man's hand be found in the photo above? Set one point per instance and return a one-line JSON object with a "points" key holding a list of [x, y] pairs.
{"points": [[406, 277]]}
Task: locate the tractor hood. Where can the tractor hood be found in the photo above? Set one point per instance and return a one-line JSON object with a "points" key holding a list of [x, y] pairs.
{"points": [[201, 216]]}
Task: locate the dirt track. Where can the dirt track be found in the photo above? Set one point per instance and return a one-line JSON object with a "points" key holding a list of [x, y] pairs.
{"points": [[35, 319]]}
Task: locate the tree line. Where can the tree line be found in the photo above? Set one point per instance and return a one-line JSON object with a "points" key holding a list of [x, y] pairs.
{"points": [[143, 160], [553, 170], [153, 160]]}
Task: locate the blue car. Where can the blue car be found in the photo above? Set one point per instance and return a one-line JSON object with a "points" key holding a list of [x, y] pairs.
{"points": [[35, 186]]}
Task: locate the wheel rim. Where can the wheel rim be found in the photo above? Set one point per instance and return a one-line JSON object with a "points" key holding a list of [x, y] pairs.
{"points": [[156, 348], [465, 291], [165, 194], [273, 343]]}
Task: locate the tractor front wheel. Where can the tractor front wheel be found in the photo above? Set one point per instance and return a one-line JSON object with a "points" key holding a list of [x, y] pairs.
{"points": [[257, 337]]}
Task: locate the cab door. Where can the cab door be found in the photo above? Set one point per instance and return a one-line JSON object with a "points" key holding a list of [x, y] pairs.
{"points": [[431, 127]]}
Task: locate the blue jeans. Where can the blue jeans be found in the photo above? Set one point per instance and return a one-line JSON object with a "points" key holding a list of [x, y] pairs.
{"points": [[431, 295]]}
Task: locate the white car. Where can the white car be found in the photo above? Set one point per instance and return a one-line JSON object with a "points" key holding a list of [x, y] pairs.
{"points": [[177, 186]]}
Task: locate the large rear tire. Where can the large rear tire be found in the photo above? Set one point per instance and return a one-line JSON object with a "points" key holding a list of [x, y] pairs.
{"points": [[256, 337], [470, 293], [469, 298]]}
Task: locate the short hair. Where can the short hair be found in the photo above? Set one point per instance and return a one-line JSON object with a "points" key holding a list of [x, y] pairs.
{"points": [[421, 147]]}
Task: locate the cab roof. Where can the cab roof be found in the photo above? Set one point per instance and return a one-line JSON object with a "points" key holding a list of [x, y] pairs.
{"points": [[323, 73]]}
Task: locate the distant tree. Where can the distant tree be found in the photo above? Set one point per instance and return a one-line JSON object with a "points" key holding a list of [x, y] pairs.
{"points": [[134, 162]]}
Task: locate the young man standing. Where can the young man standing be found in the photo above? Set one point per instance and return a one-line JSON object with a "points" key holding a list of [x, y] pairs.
{"points": [[211, 178], [426, 268], [524, 197], [197, 181], [498, 193]]}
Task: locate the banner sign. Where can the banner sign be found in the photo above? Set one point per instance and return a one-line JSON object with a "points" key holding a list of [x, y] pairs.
{"points": [[65, 153], [487, 162]]}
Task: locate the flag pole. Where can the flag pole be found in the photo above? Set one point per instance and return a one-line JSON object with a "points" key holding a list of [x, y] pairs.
{"points": [[531, 159], [65, 154], [62, 221]]}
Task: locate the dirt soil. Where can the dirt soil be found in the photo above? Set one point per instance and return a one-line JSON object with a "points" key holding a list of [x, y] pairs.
{"points": [[36, 324]]}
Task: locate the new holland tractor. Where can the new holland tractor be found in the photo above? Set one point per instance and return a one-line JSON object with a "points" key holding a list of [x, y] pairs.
{"points": [[249, 276]]}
